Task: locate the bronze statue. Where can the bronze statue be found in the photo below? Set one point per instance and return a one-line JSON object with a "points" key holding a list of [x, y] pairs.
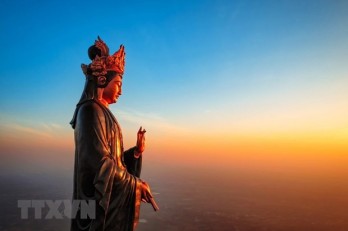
{"points": [[103, 171]]}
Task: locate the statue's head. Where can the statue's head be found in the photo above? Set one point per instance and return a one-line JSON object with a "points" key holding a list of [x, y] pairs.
{"points": [[106, 70]]}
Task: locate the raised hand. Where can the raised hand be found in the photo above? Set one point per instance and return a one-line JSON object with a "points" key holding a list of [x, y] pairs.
{"points": [[141, 140]]}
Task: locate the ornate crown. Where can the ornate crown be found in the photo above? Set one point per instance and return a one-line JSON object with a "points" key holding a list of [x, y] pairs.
{"points": [[103, 62], [101, 45]]}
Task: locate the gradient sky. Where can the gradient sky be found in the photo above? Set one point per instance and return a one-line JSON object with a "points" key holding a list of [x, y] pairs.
{"points": [[225, 77]]}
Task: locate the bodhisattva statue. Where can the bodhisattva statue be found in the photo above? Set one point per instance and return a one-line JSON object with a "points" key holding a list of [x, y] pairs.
{"points": [[103, 171]]}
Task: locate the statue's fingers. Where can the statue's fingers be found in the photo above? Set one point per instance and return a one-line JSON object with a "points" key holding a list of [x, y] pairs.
{"points": [[149, 195], [141, 127], [144, 197]]}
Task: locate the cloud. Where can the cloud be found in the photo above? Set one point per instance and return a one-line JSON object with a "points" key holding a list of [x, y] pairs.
{"points": [[15, 127], [24, 129], [51, 126], [148, 120]]}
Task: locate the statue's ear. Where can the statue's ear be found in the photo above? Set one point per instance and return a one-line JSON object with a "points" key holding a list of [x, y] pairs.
{"points": [[101, 80]]}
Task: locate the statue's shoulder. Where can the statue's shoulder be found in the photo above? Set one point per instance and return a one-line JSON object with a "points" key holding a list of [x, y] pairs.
{"points": [[91, 107]]}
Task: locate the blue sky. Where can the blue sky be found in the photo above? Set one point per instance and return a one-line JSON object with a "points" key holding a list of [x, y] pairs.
{"points": [[190, 64]]}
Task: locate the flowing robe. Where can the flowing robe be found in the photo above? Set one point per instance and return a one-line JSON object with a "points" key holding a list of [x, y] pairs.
{"points": [[103, 171]]}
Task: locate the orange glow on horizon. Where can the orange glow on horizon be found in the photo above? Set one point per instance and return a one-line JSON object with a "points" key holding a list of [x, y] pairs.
{"points": [[309, 150]]}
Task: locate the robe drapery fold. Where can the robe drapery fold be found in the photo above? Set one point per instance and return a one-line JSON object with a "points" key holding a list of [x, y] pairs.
{"points": [[103, 171]]}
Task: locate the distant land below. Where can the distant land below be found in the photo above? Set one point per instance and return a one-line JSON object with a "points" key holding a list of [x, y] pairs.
{"points": [[202, 199]]}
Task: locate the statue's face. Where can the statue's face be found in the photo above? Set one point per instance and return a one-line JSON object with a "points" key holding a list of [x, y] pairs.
{"points": [[113, 90]]}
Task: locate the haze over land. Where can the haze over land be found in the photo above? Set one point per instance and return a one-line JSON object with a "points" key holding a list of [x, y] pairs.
{"points": [[306, 195]]}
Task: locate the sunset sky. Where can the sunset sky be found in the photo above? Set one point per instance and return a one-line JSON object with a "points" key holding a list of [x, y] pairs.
{"points": [[233, 80]]}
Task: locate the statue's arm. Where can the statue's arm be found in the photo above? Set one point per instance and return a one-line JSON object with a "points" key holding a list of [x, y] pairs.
{"points": [[133, 156], [133, 162]]}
